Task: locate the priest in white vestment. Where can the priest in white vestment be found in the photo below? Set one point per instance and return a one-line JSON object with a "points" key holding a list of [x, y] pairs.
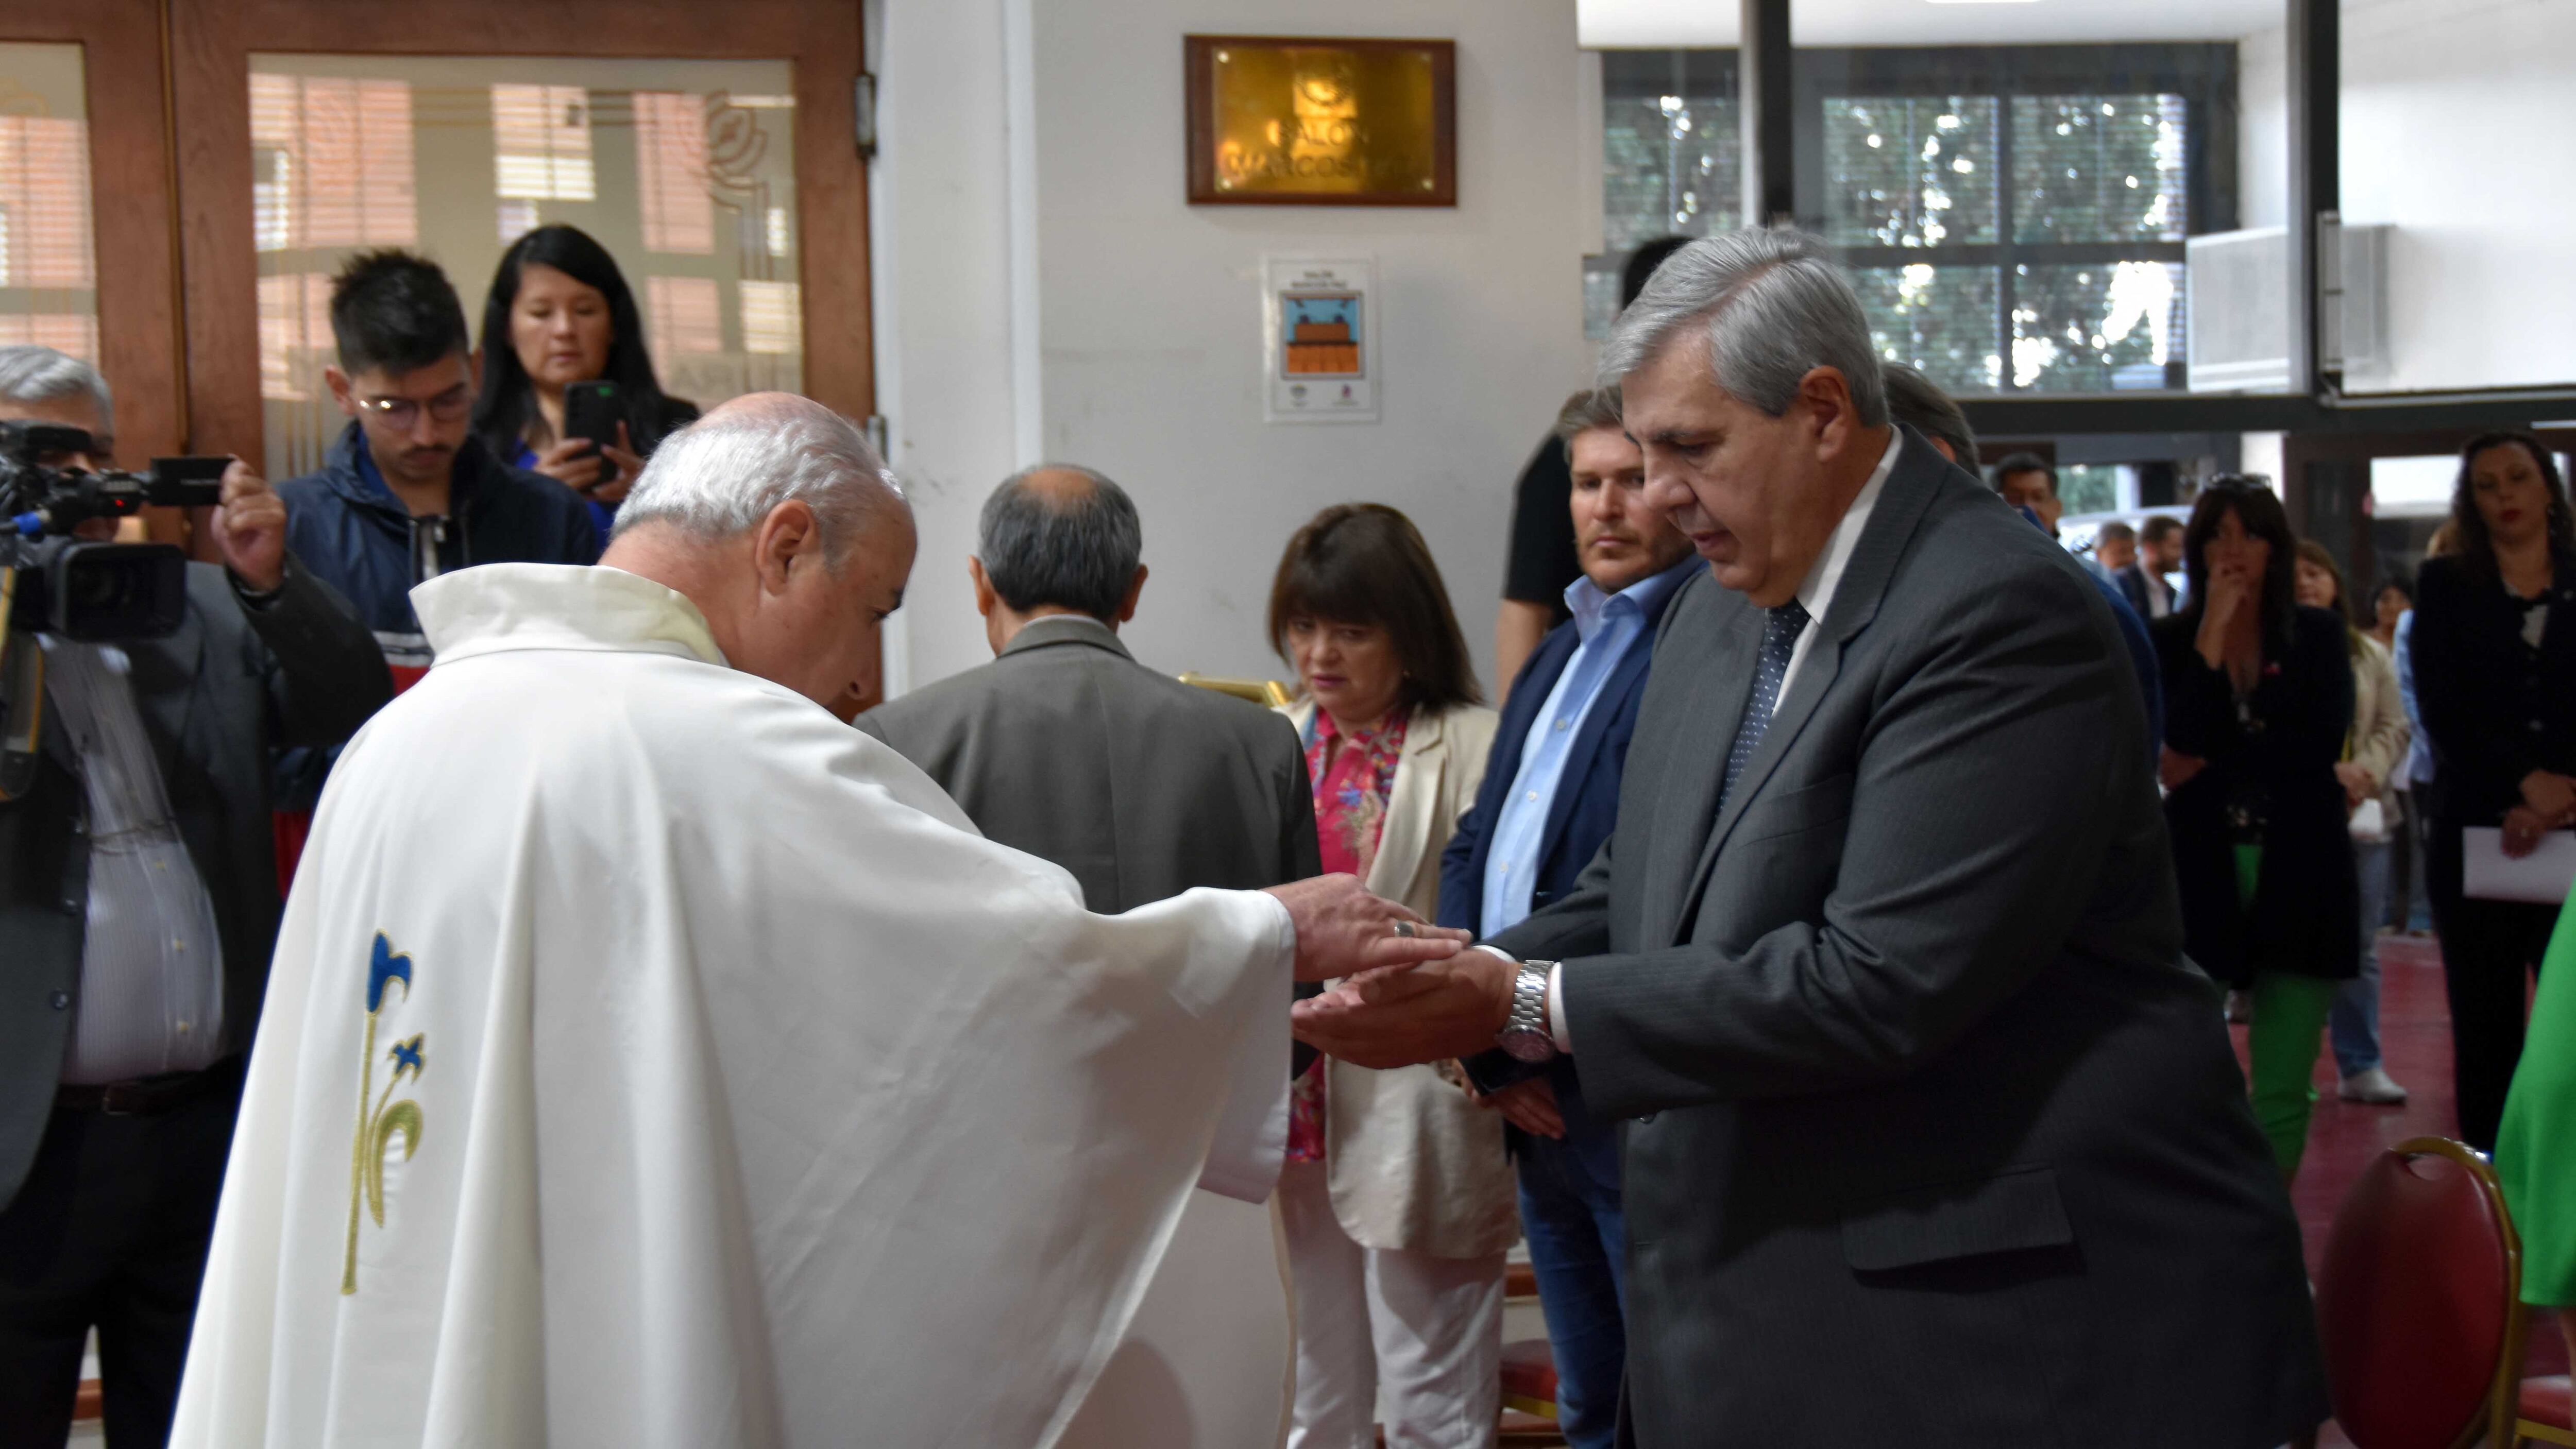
{"points": [[649, 1059]]}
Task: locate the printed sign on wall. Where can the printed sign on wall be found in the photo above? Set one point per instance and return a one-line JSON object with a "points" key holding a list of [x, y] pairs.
{"points": [[1319, 339]]}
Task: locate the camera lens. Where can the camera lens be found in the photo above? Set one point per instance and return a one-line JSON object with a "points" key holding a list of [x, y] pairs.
{"points": [[104, 587]]}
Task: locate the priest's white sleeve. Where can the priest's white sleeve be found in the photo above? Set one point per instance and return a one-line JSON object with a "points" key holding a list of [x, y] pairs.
{"points": [[1252, 1134]]}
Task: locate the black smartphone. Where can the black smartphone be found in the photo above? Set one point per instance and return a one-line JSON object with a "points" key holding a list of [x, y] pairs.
{"points": [[592, 410]]}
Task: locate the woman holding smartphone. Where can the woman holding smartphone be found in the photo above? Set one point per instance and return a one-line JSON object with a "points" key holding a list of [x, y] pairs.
{"points": [[560, 317]]}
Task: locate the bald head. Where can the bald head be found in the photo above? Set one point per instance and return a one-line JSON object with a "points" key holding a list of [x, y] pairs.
{"points": [[774, 516], [1061, 538]]}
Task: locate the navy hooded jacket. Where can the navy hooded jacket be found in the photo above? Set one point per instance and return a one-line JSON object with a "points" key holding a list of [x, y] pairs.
{"points": [[349, 530]]}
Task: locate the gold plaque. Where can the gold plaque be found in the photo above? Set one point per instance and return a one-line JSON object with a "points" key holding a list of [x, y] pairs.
{"points": [[1308, 122]]}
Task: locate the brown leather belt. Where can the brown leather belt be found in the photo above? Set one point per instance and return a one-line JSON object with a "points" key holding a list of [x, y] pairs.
{"points": [[146, 1096]]}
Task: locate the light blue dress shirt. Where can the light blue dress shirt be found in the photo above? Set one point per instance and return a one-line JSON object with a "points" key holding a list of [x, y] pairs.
{"points": [[1610, 625]]}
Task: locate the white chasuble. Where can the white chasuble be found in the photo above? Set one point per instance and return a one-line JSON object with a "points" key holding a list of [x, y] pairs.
{"points": [[649, 1059]]}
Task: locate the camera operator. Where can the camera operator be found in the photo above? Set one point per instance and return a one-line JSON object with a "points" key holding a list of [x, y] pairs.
{"points": [[138, 909]]}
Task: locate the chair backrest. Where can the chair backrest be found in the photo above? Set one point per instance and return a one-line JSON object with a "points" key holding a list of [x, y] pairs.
{"points": [[1260, 691], [2415, 1298]]}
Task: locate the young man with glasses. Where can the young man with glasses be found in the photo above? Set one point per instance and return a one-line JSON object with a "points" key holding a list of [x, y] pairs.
{"points": [[408, 491]]}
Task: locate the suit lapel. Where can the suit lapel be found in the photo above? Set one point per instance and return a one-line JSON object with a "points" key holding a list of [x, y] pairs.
{"points": [[1709, 671], [165, 677], [1406, 833], [1901, 504]]}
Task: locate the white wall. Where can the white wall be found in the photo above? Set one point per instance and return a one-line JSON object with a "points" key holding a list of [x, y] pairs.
{"points": [[2459, 128], [1146, 359], [939, 229]]}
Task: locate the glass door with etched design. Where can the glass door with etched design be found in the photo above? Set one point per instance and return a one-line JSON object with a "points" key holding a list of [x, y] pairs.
{"points": [[712, 150], [684, 170]]}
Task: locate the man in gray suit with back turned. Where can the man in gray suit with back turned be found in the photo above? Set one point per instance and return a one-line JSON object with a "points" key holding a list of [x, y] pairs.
{"points": [[1143, 787], [1934, 1134], [1065, 747]]}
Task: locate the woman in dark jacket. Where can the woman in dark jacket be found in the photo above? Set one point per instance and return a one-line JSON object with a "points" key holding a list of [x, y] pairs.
{"points": [[560, 312], [2258, 699], [2494, 653]]}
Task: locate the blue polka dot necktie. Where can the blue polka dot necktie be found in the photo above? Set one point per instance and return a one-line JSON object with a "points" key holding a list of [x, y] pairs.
{"points": [[1779, 639]]}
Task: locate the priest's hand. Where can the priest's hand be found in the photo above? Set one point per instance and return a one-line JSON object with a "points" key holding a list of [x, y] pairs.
{"points": [[1343, 930], [1449, 1008]]}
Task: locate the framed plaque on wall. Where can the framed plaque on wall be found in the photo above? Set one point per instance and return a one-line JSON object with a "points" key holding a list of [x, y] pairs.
{"points": [[1312, 121]]}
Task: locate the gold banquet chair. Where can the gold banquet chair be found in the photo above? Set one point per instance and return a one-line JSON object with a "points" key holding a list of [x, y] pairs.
{"points": [[1260, 691]]}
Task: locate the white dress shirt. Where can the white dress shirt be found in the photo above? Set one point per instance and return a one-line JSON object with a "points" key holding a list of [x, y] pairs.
{"points": [[1815, 595], [152, 980]]}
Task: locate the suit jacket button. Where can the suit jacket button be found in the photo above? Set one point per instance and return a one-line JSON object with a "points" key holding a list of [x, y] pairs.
{"points": [[62, 1000], [71, 907], [1646, 1119]]}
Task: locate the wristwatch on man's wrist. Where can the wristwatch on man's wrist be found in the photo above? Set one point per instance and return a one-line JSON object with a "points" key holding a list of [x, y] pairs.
{"points": [[1527, 1034]]}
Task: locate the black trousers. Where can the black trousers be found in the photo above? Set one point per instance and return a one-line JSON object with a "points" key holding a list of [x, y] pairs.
{"points": [[2490, 952], [110, 1230]]}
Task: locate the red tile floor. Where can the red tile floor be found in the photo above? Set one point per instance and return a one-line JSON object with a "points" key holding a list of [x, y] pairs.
{"points": [[2415, 1038]]}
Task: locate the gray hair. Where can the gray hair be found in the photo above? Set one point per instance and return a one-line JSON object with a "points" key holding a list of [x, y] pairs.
{"points": [[1591, 408], [1915, 400], [1073, 548], [1772, 306], [723, 474], [33, 374]]}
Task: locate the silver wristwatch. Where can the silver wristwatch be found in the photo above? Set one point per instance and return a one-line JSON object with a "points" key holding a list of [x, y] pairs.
{"points": [[1526, 1034]]}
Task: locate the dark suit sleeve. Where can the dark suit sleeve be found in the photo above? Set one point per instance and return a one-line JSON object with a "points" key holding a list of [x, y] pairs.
{"points": [[2481, 753], [2320, 719], [1461, 894], [1297, 844], [1968, 854], [1304, 856], [1578, 924], [2200, 703], [326, 673]]}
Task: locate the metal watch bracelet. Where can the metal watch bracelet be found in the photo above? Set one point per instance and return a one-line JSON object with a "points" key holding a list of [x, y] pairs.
{"points": [[1527, 1034]]}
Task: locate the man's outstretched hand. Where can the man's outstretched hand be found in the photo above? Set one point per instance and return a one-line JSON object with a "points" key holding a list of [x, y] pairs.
{"points": [[1342, 930], [1453, 1007]]}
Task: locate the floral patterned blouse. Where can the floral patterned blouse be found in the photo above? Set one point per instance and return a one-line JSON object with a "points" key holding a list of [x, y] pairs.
{"points": [[1352, 786]]}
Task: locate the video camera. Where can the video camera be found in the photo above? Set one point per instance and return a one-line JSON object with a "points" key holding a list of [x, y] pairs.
{"points": [[52, 583]]}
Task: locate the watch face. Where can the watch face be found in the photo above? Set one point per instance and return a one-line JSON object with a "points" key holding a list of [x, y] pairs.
{"points": [[1529, 1046]]}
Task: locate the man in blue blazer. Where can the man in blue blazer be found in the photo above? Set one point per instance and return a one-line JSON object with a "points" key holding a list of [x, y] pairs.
{"points": [[1550, 797]]}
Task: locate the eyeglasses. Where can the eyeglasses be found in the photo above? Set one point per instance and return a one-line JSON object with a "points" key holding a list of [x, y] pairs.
{"points": [[401, 412]]}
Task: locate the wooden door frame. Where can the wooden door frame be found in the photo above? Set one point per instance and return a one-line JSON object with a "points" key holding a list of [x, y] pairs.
{"points": [[210, 46], [131, 211]]}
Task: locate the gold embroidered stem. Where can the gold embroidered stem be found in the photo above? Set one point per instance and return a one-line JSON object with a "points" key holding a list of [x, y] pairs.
{"points": [[358, 1156]]}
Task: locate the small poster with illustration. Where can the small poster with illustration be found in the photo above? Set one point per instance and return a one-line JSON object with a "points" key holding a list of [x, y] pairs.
{"points": [[1319, 339]]}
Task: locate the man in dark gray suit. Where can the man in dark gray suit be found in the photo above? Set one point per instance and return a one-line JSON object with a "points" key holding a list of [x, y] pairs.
{"points": [[138, 909], [1065, 747], [1934, 1132]]}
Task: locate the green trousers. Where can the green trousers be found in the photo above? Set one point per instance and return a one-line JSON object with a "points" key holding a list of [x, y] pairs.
{"points": [[2288, 1028]]}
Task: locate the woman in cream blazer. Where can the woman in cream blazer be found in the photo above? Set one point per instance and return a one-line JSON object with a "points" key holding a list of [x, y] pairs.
{"points": [[1397, 1201], [1414, 1164]]}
